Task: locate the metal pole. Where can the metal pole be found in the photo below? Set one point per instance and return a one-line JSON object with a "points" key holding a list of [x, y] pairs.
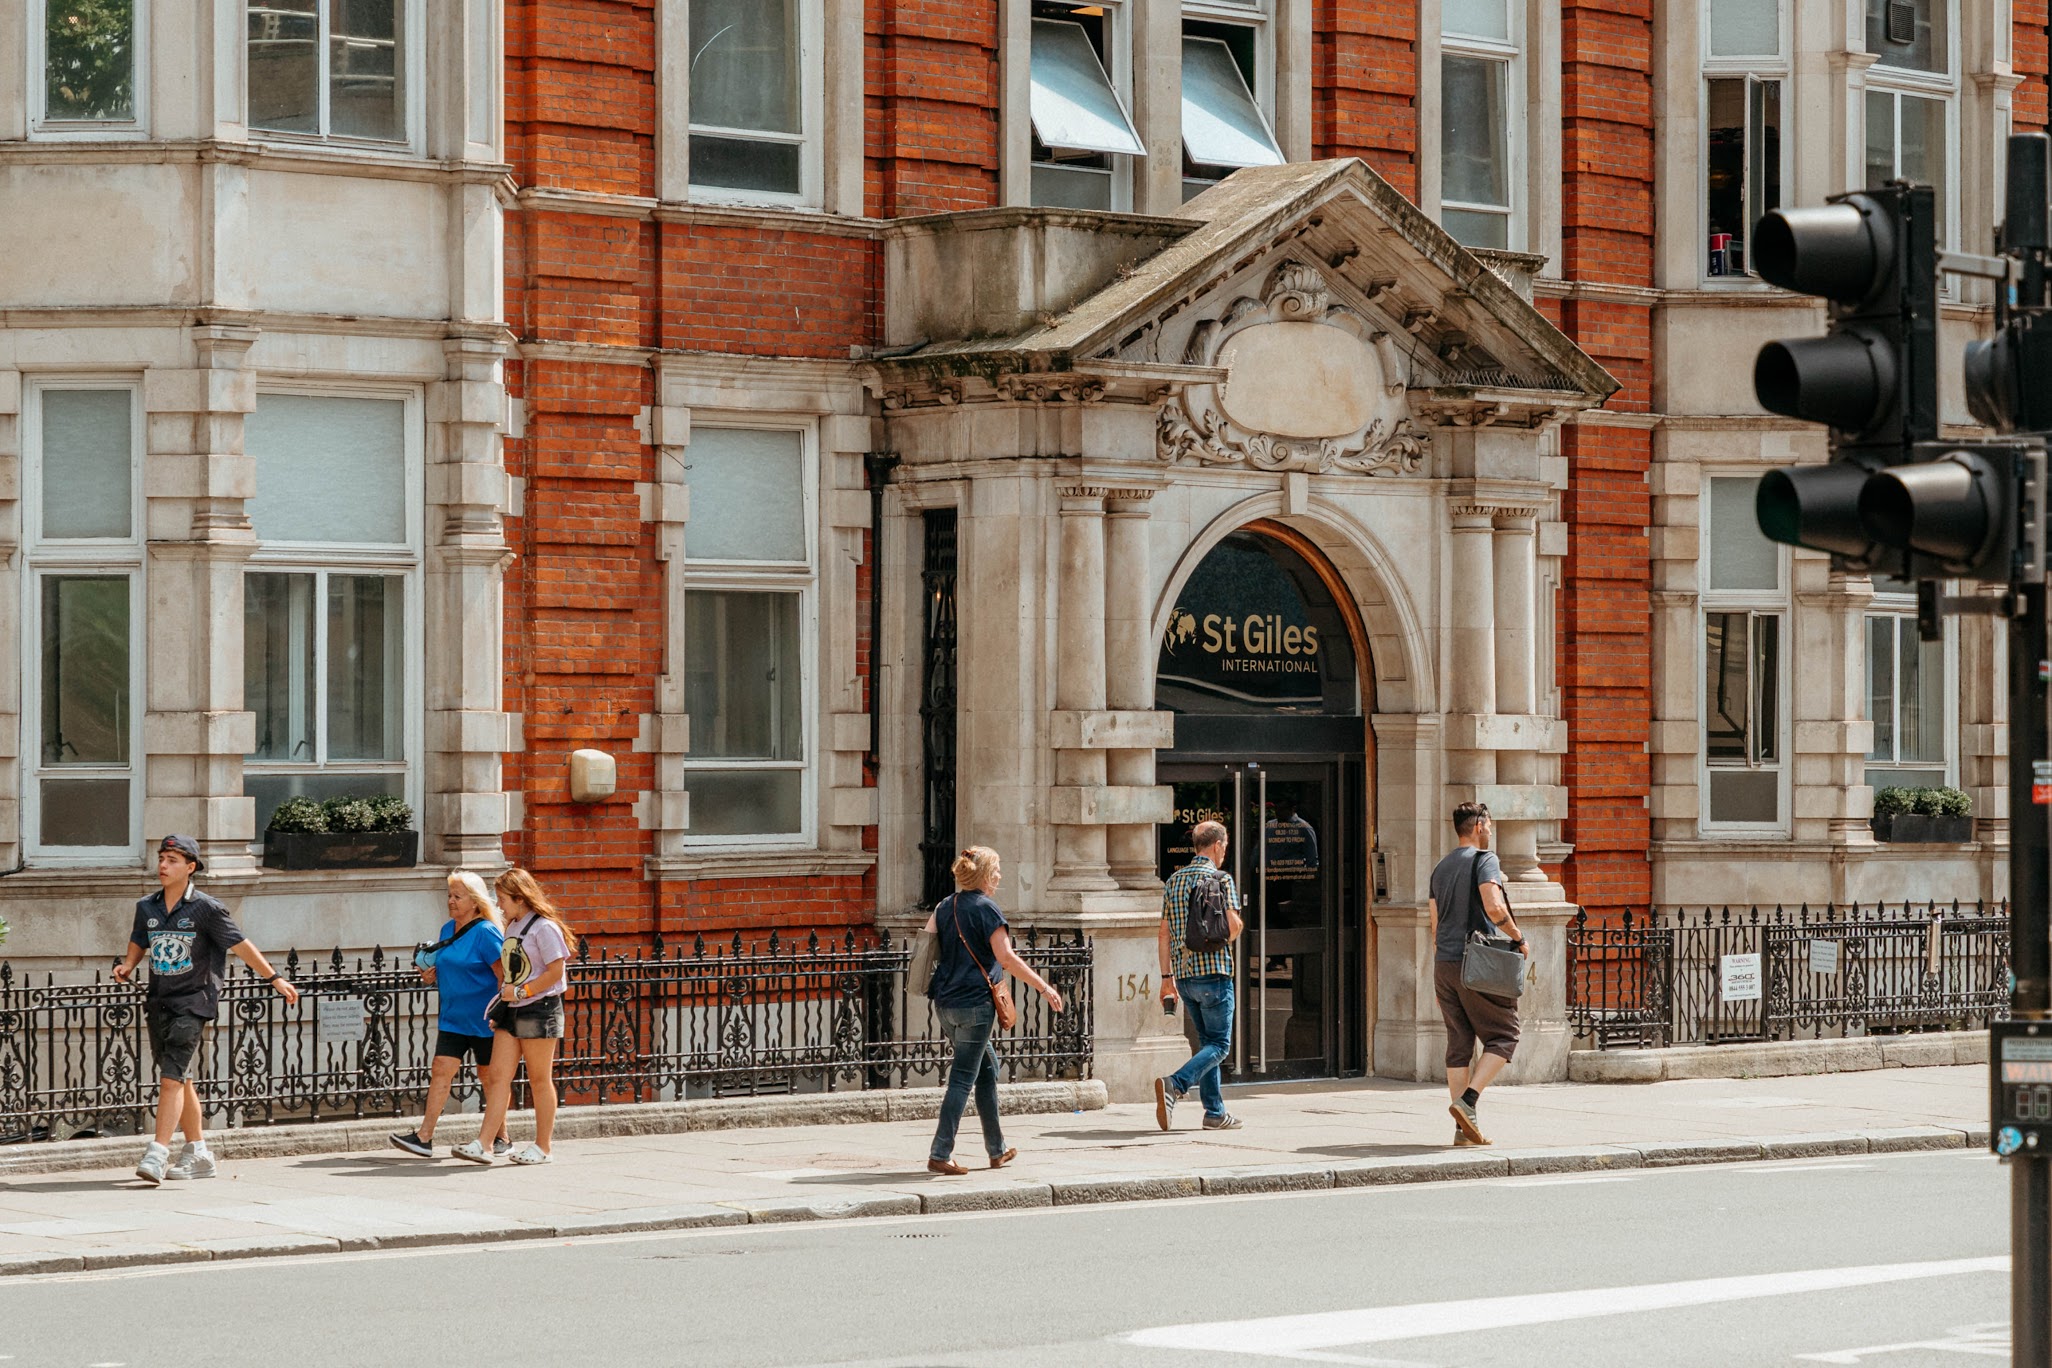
{"points": [[1240, 963], [2030, 952], [1261, 907]]}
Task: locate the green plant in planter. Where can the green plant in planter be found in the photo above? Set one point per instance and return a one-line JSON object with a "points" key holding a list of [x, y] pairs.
{"points": [[1950, 802], [1893, 802], [350, 814], [393, 813], [299, 815], [3, 930]]}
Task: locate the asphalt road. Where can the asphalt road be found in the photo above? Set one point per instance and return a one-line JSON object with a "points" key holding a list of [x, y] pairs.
{"points": [[1894, 1260]]}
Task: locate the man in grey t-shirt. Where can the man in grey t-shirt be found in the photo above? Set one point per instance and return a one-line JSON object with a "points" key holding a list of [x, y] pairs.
{"points": [[1468, 896]]}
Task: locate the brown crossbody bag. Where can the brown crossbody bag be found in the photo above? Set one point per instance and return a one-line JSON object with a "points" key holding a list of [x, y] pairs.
{"points": [[1007, 1010]]}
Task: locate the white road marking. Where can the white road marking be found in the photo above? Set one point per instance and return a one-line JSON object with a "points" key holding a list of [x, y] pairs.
{"points": [[1300, 1336], [1801, 1168], [1975, 1341], [1566, 1180]]}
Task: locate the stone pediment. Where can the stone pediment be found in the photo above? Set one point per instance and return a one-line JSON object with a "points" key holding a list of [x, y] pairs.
{"points": [[1302, 317]]}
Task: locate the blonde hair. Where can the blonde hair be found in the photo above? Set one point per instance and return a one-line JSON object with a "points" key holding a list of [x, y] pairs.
{"points": [[520, 886], [480, 896], [974, 866]]}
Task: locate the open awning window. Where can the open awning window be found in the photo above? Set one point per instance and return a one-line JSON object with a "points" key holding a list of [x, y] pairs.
{"points": [[1222, 126], [1074, 105]]}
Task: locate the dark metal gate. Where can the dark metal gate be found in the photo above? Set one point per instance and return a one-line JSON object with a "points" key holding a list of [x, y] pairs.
{"points": [[937, 707]]}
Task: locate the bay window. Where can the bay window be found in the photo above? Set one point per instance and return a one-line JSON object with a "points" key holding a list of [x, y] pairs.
{"points": [[1478, 92], [1744, 73], [83, 637], [1744, 608], [1082, 133], [330, 598], [332, 68], [87, 72], [748, 628]]}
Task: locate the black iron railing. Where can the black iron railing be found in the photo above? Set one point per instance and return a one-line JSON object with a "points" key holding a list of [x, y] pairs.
{"points": [[1718, 975], [660, 1024]]}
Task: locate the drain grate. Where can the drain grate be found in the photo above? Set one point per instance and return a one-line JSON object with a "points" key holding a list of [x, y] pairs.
{"points": [[920, 1235]]}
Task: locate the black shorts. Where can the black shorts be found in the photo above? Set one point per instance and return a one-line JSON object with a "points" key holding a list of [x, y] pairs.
{"points": [[174, 1037], [452, 1045]]}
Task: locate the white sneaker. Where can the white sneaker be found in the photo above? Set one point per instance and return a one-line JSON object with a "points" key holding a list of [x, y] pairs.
{"points": [[150, 1168], [192, 1163]]}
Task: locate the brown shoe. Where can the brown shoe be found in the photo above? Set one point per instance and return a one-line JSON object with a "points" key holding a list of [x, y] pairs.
{"points": [[1007, 1157], [947, 1166], [1463, 1142], [1464, 1120]]}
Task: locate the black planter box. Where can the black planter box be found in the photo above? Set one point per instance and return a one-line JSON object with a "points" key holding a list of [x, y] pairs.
{"points": [[1918, 828], [341, 849]]}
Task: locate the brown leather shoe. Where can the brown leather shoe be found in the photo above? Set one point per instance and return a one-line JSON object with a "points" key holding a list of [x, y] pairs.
{"points": [[1007, 1157], [947, 1166]]}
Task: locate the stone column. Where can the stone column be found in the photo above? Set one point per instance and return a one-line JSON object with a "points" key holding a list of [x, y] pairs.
{"points": [[467, 729], [1514, 545], [1080, 850], [1471, 681], [1129, 674], [195, 481]]}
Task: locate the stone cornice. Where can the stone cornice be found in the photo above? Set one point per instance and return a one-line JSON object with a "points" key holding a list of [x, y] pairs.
{"points": [[306, 159]]}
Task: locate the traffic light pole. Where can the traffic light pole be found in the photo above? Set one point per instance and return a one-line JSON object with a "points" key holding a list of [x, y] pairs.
{"points": [[2030, 950]]}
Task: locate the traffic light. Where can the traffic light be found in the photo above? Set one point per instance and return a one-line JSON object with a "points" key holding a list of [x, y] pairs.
{"points": [[1872, 379], [1961, 509]]}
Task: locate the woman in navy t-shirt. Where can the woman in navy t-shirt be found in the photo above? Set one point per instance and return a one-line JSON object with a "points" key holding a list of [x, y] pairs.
{"points": [[975, 949], [463, 966]]}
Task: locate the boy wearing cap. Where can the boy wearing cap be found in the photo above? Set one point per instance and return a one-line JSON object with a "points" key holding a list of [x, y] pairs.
{"points": [[187, 935]]}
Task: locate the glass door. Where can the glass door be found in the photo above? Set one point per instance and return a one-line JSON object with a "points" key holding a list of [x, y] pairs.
{"points": [[1281, 820]]}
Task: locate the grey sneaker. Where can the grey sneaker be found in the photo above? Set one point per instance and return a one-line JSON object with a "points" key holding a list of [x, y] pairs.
{"points": [[501, 1147], [1226, 1122], [1464, 1118], [411, 1142], [151, 1166], [192, 1164], [1165, 1099]]}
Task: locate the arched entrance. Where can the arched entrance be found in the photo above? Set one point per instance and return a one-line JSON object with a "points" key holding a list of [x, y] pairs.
{"points": [[1263, 663]]}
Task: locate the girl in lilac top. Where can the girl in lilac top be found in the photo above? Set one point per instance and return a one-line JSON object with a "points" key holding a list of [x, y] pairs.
{"points": [[527, 1022]]}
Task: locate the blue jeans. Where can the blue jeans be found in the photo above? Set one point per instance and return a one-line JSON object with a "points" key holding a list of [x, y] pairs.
{"points": [[1209, 1001], [975, 1066]]}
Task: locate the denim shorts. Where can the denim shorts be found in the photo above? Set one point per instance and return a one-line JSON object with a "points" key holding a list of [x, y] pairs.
{"points": [[540, 1020]]}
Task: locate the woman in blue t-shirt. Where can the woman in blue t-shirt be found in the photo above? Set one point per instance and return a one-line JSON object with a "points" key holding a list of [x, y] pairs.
{"points": [[974, 950], [464, 967]]}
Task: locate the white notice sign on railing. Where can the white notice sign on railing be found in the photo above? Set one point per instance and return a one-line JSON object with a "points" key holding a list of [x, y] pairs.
{"points": [[340, 1021], [1738, 978]]}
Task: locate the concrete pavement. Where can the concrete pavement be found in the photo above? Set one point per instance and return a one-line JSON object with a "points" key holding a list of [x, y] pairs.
{"points": [[1318, 1135]]}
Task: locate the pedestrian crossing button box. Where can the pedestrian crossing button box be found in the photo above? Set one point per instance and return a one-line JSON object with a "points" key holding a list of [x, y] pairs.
{"points": [[2020, 1086]]}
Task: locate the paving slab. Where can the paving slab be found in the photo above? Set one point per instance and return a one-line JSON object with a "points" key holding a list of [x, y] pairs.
{"points": [[1296, 1136]]}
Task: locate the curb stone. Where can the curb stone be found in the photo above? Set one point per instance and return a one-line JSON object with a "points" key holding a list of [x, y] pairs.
{"points": [[1099, 1190], [1673, 1152], [572, 1123]]}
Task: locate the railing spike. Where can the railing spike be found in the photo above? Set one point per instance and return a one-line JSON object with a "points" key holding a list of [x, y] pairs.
{"points": [[335, 960], [377, 957]]}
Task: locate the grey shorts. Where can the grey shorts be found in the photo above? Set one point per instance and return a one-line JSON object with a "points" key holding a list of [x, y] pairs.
{"points": [[1471, 1017]]}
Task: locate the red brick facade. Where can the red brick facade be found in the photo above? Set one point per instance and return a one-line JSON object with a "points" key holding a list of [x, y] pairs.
{"points": [[589, 292]]}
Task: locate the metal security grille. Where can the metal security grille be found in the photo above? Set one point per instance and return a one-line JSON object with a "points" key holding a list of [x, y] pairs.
{"points": [[658, 1024], [1810, 973], [937, 707]]}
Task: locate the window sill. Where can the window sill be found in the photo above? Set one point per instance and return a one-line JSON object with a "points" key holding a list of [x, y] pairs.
{"points": [[789, 216], [766, 863]]}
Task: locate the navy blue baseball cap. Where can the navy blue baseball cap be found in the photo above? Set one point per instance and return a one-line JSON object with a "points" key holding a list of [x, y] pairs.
{"points": [[185, 846]]}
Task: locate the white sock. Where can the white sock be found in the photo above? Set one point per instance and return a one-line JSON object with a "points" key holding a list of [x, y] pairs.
{"points": [[156, 1148], [196, 1146]]}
